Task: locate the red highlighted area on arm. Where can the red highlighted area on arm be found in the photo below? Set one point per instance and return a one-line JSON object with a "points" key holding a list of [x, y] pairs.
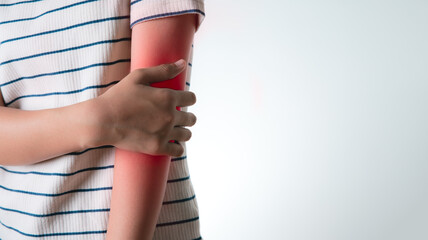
{"points": [[140, 179]]}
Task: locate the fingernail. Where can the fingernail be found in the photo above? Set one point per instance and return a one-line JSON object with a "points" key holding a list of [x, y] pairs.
{"points": [[180, 63]]}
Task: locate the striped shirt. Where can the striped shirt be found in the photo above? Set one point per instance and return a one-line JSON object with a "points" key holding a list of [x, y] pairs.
{"points": [[59, 53]]}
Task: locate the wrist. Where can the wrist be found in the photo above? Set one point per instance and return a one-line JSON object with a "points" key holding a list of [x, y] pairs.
{"points": [[89, 124]]}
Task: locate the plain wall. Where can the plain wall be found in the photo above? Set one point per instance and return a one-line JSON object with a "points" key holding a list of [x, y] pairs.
{"points": [[312, 120]]}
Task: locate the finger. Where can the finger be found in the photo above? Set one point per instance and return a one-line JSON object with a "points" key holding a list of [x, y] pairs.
{"points": [[185, 98], [181, 134], [174, 149], [161, 72], [184, 119]]}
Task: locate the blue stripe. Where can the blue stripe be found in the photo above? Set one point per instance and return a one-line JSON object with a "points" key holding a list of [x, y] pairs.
{"points": [[56, 194], [190, 64], [54, 234], [65, 71], [177, 222], [199, 238], [93, 232], [178, 159], [66, 49], [188, 84], [133, 2], [166, 14], [11, 4], [54, 10], [80, 211], [57, 174], [179, 201], [89, 149], [61, 93], [66, 28], [56, 213], [178, 179]]}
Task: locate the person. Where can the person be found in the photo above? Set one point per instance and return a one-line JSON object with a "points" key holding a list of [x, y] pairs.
{"points": [[68, 99]]}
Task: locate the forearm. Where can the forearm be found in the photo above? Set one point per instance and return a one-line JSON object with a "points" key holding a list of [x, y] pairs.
{"points": [[139, 182], [28, 137], [138, 190]]}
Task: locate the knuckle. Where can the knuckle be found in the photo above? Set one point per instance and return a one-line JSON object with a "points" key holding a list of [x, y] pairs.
{"points": [[167, 68], [163, 67], [155, 146], [166, 96], [169, 119]]}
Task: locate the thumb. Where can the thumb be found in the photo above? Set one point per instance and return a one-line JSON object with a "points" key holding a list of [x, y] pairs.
{"points": [[161, 72]]}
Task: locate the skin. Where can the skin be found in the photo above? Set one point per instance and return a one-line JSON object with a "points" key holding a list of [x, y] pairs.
{"points": [[50, 133], [122, 117], [140, 179]]}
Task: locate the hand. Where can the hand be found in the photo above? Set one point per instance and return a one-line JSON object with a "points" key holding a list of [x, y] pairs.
{"points": [[133, 116]]}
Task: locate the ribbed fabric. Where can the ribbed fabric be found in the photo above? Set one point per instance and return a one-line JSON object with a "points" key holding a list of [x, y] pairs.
{"points": [[58, 53]]}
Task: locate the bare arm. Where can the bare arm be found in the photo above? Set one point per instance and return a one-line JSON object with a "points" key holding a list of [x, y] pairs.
{"points": [[125, 116], [28, 137], [140, 181]]}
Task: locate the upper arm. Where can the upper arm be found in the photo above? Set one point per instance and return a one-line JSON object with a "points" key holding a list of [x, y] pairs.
{"points": [[163, 40]]}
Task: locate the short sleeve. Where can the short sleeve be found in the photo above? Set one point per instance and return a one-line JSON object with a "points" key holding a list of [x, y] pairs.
{"points": [[144, 10]]}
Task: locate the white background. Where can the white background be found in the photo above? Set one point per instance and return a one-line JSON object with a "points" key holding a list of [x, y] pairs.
{"points": [[312, 120]]}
